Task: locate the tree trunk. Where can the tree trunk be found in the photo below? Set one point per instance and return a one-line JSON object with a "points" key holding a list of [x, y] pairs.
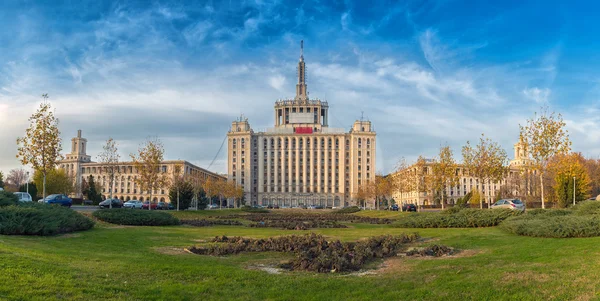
{"points": [[443, 198], [478, 192], [542, 188], [44, 194], [150, 201]]}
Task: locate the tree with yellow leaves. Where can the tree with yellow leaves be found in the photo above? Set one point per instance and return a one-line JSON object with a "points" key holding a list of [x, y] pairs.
{"points": [[444, 172], [544, 137], [109, 157], [41, 145], [402, 179], [570, 176], [147, 162]]}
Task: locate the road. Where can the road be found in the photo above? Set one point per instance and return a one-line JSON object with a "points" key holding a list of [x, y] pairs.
{"points": [[85, 208]]}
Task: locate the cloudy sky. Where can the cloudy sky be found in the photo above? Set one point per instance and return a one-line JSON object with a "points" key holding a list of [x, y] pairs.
{"points": [[425, 73]]}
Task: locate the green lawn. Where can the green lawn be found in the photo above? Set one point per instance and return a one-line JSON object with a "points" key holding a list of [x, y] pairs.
{"points": [[144, 263]]}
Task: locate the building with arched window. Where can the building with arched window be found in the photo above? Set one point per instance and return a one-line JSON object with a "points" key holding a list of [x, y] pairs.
{"points": [[301, 160]]}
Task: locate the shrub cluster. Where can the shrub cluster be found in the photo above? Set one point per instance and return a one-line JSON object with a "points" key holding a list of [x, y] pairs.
{"points": [[212, 222], [8, 198], [297, 225], [587, 208], [434, 250], [313, 252], [464, 218], [351, 209], [254, 210], [136, 217], [550, 225], [41, 219]]}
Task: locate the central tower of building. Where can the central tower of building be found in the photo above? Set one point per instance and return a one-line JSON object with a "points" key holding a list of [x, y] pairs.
{"points": [[301, 160]]}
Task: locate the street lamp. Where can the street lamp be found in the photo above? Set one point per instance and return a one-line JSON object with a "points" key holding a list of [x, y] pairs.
{"points": [[27, 182], [573, 191]]}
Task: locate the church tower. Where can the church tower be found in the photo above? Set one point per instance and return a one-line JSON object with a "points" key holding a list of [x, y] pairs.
{"points": [[521, 154], [72, 162]]}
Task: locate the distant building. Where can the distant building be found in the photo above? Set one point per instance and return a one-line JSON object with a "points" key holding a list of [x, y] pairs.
{"points": [[518, 166], [301, 160], [79, 166]]}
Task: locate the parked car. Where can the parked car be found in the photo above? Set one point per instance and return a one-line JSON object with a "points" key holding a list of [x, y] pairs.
{"points": [[394, 207], [58, 199], [133, 204], [513, 204], [409, 207], [212, 206], [145, 205], [162, 206], [171, 206], [24, 196], [116, 203]]}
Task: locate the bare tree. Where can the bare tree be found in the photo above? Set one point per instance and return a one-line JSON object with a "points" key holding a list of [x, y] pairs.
{"points": [[41, 145], [16, 177], [545, 136], [147, 162], [109, 157]]}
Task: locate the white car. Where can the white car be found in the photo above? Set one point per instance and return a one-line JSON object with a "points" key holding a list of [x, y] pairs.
{"points": [[24, 197], [133, 204], [513, 204], [212, 207]]}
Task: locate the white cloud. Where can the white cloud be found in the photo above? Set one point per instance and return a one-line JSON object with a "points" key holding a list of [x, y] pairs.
{"points": [[538, 95], [277, 82]]}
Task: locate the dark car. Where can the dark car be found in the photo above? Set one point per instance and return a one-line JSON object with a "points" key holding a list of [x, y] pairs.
{"points": [[58, 199], [171, 206], [394, 207], [162, 206], [409, 207], [145, 205], [116, 203]]}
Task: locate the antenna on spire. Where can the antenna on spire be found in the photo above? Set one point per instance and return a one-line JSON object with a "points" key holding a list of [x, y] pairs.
{"points": [[362, 114], [302, 48]]}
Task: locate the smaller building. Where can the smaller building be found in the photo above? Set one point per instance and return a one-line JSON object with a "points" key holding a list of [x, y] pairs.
{"points": [[79, 166]]}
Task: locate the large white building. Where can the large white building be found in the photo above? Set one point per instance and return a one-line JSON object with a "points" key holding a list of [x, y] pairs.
{"points": [[301, 160]]}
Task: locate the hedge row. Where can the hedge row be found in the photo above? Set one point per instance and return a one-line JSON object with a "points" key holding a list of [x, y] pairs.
{"points": [[124, 216], [41, 219], [465, 218]]}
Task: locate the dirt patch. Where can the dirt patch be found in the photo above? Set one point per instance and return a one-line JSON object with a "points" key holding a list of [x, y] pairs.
{"points": [[171, 250], [526, 276], [269, 268], [395, 265]]}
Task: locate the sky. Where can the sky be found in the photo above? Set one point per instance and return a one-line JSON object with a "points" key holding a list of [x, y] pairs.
{"points": [[426, 73]]}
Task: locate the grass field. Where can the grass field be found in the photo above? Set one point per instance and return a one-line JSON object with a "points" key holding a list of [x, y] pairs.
{"points": [[146, 263]]}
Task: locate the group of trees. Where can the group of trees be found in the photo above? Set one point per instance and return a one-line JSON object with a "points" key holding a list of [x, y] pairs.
{"points": [[225, 190]]}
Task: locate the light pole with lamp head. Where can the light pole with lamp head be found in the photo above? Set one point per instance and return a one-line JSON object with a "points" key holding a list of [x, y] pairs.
{"points": [[573, 191], [27, 183]]}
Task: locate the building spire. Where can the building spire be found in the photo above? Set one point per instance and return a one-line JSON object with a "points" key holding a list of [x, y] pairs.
{"points": [[301, 93]]}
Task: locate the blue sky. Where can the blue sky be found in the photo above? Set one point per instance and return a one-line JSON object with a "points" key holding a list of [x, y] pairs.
{"points": [[425, 73]]}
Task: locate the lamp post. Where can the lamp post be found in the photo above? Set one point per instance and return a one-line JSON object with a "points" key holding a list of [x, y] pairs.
{"points": [[573, 191], [27, 189]]}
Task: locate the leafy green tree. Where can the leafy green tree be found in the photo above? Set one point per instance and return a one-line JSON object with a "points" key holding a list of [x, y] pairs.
{"points": [[92, 192], [33, 191], [570, 175], [1, 180], [203, 200], [56, 181], [186, 194]]}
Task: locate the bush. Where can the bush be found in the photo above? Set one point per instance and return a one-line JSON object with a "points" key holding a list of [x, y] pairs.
{"points": [[207, 223], [41, 219], [557, 226], [352, 209], [136, 217], [453, 210], [313, 252], [8, 198], [549, 212], [587, 208], [254, 210], [465, 218]]}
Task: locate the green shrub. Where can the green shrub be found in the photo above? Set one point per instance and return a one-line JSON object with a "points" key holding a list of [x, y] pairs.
{"points": [[352, 209], [8, 198], [465, 218], [547, 225], [41, 219], [549, 212], [136, 217], [453, 210], [587, 208], [254, 210]]}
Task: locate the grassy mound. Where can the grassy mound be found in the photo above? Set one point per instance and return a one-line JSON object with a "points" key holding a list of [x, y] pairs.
{"points": [[465, 218], [136, 217], [41, 219], [352, 209], [313, 252]]}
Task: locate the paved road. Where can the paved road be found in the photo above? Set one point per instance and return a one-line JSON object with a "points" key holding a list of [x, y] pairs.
{"points": [[85, 208]]}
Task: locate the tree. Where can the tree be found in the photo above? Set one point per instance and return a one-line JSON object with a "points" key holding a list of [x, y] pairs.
{"points": [[41, 145], [570, 175], [422, 179], [544, 137], [210, 187], [402, 179], [183, 191], [444, 172], [1, 180], [202, 199], [57, 181], [16, 177], [92, 190], [109, 157], [147, 162], [486, 162]]}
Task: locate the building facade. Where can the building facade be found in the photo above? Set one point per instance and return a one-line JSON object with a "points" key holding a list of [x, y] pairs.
{"points": [[521, 164], [301, 160], [79, 166]]}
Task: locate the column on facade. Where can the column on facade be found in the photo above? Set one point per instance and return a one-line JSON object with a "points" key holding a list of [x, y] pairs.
{"points": [[261, 167], [269, 175], [276, 164], [327, 169], [319, 166], [283, 169], [311, 164], [290, 167], [298, 168]]}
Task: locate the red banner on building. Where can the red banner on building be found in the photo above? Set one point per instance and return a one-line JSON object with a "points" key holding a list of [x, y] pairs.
{"points": [[303, 130]]}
